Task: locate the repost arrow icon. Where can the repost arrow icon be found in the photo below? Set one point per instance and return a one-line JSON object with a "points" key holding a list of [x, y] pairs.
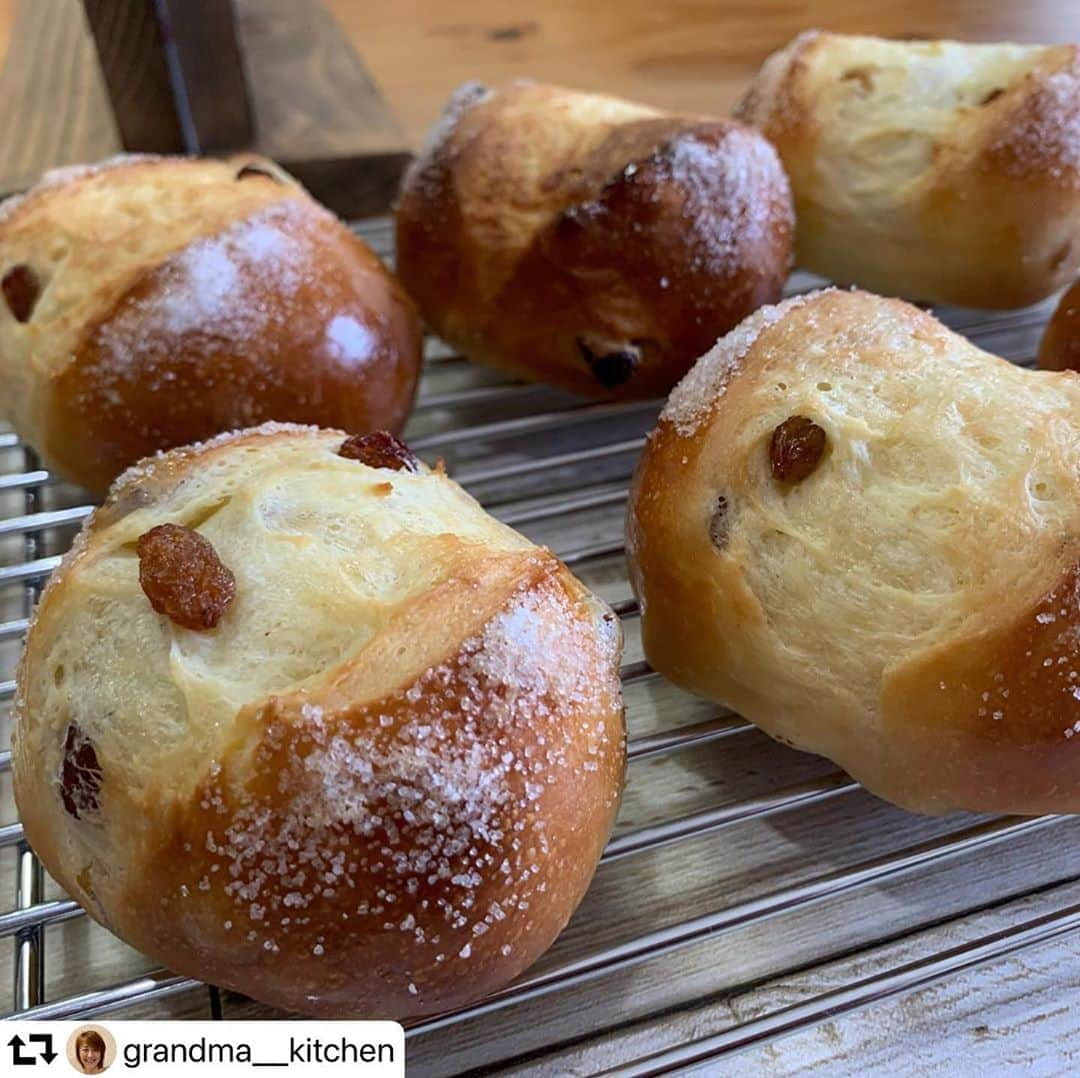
{"points": [[18, 1059], [44, 1038]]}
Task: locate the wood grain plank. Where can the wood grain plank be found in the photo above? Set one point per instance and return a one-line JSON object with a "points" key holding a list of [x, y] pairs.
{"points": [[1011, 1017], [207, 74], [313, 97], [136, 73], [7, 18], [173, 74], [688, 56], [318, 111], [315, 107], [692, 55], [53, 105]]}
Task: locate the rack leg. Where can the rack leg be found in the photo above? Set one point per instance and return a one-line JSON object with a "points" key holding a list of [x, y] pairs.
{"points": [[30, 885], [29, 952]]}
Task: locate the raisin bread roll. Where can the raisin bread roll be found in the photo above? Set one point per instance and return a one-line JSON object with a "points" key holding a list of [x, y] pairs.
{"points": [[589, 242], [864, 534], [149, 302], [298, 718], [932, 169]]}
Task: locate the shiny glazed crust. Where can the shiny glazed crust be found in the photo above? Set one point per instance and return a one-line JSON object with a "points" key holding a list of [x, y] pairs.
{"points": [[587, 241], [1059, 349], [378, 787], [931, 170], [910, 608], [178, 298]]}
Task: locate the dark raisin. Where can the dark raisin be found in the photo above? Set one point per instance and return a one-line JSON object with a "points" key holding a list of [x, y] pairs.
{"points": [[796, 449], [183, 577], [80, 774], [718, 524], [380, 449], [21, 291], [569, 223], [993, 95], [615, 368], [611, 364], [256, 170]]}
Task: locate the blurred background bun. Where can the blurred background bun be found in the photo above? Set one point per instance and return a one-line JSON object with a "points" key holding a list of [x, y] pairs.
{"points": [[150, 302]]}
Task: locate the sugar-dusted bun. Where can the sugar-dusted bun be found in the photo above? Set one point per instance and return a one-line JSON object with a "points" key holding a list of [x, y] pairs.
{"points": [[589, 242], [150, 302], [934, 170], [864, 534], [1059, 349], [376, 775]]}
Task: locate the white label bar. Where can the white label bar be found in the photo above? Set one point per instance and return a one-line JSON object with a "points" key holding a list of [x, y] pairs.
{"points": [[225, 1049]]}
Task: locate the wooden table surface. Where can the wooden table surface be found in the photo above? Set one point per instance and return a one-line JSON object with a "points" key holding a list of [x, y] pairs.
{"points": [[345, 126], [690, 54]]}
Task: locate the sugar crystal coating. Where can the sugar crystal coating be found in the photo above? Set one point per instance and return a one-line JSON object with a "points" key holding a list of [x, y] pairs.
{"points": [[439, 790]]}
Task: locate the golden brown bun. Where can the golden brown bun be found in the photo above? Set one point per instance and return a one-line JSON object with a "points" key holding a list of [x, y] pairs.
{"points": [[933, 170], [381, 783], [1059, 349], [178, 298], [586, 241], [910, 607]]}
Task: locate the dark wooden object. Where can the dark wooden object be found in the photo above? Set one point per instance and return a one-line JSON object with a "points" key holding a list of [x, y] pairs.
{"points": [[174, 74], [317, 110], [309, 101]]}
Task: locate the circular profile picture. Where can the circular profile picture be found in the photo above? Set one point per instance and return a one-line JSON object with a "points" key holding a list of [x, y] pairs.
{"points": [[91, 1050]]}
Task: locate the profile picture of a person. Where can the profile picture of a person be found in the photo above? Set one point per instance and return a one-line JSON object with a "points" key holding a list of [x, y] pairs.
{"points": [[91, 1050]]}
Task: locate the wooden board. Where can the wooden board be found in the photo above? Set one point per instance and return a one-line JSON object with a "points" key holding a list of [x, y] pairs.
{"points": [[54, 109], [173, 72], [1013, 1017], [680, 56], [316, 109], [684, 56]]}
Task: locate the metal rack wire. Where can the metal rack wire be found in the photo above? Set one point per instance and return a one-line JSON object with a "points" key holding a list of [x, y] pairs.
{"points": [[558, 468]]}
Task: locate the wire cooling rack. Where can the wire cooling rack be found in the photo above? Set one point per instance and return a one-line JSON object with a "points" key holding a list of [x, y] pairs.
{"points": [[751, 896]]}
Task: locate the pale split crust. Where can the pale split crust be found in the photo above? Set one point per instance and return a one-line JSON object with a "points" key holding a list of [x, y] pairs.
{"points": [[935, 170], [919, 625]]}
